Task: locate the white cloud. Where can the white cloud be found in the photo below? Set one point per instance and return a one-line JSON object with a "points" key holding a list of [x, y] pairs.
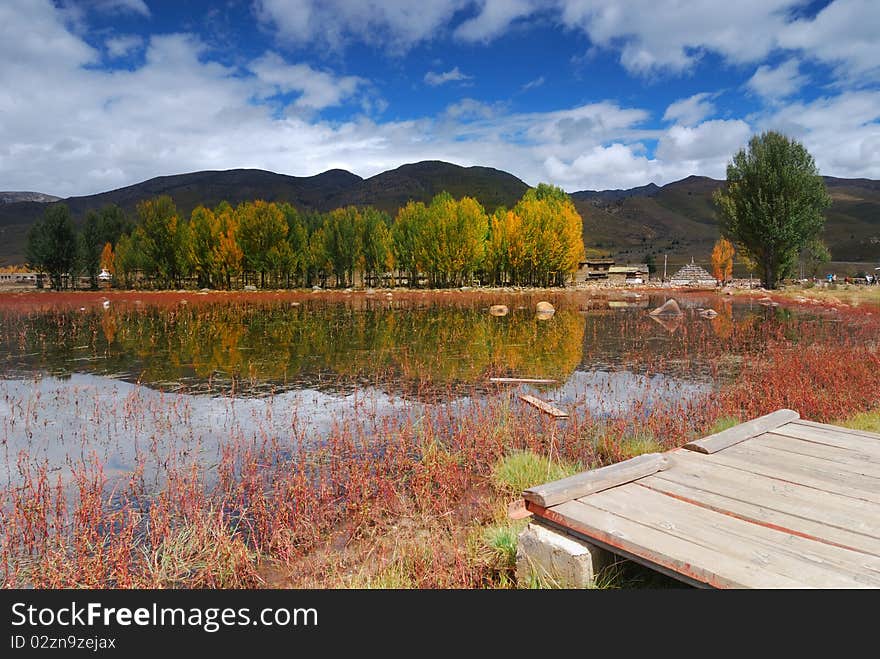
{"points": [[691, 110], [845, 34], [72, 128], [707, 146], [134, 6], [533, 84], [317, 89], [494, 18], [841, 132], [454, 75], [122, 45], [394, 24], [777, 83]]}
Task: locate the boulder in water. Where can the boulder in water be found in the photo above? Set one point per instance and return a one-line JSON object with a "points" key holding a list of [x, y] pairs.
{"points": [[668, 308], [708, 313]]}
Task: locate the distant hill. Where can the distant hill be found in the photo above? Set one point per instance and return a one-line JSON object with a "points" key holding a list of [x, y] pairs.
{"points": [[332, 189], [679, 219], [15, 197], [421, 181], [676, 219]]}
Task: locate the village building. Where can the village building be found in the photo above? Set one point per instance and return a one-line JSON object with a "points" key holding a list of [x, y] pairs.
{"points": [[593, 269], [629, 274], [693, 276]]}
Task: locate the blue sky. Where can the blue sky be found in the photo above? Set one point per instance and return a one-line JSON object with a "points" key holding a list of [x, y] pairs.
{"points": [[586, 94]]}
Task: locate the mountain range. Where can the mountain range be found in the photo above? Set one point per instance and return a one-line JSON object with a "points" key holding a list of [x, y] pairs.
{"points": [[676, 219]]}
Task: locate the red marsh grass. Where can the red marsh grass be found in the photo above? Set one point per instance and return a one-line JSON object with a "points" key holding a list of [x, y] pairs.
{"points": [[415, 500]]}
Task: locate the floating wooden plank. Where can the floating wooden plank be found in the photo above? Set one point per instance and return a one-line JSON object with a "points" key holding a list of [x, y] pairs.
{"points": [[760, 514], [656, 548], [814, 563], [596, 480], [742, 432], [544, 406], [838, 429], [522, 380]]}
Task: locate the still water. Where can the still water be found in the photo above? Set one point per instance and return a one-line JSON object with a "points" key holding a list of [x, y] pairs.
{"points": [[178, 377]]}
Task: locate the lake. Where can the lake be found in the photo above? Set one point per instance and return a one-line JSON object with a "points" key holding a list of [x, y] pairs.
{"points": [[148, 379]]}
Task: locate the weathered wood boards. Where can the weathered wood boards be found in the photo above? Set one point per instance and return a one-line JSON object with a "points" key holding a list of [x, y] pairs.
{"points": [[775, 502], [742, 432], [590, 482], [544, 406]]}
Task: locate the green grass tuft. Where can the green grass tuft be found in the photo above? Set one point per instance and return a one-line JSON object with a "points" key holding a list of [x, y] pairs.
{"points": [[723, 423], [867, 421], [523, 469]]}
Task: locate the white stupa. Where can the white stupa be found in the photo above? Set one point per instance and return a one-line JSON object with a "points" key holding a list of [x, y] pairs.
{"points": [[693, 276]]}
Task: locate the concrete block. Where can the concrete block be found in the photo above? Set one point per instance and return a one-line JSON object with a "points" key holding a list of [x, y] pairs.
{"points": [[556, 559]]}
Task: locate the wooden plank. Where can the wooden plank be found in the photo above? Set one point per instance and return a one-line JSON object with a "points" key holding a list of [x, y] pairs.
{"points": [[805, 470], [830, 437], [855, 461], [792, 498], [742, 432], [817, 564], [849, 431], [654, 547], [544, 406], [522, 380], [767, 516], [596, 480]]}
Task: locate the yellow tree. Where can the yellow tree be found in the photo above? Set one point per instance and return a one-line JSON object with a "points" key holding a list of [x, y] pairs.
{"points": [[722, 260], [552, 234], [108, 259], [227, 255]]}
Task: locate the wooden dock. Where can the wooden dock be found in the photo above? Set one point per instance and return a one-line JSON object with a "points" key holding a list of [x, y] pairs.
{"points": [[777, 502]]}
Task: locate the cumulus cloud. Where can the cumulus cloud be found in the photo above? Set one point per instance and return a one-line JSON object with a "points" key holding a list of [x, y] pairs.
{"points": [[454, 75], [779, 82], [70, 127], [394, 24], [494, 18], [122, 45], [843, 34], [842, 132], [691, 110], [316, 89], [133, 6]]}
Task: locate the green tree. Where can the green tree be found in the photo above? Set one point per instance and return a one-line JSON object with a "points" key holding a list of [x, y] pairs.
{"points": [[159, 222], [773, 203], [204, 238], [406, 239], [90, 242], [130, 258], [341, 239], [261, 227], [113, 222], [51, 244], [815, 255], [375, 243]]}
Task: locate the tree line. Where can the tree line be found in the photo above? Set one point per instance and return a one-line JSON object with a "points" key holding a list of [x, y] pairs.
{"points": [[447, 242]]}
